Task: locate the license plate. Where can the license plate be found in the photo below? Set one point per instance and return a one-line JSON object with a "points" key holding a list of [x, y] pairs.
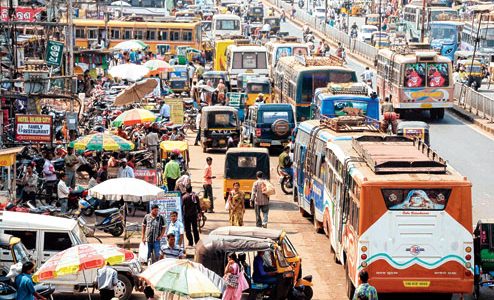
{"points": [[276, 143], [265, 144], [247, 196], [222, 142], [416, 284], [426, 105]]}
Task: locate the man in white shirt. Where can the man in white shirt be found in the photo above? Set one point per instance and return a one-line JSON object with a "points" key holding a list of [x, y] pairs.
{"points": [[176, 228], [63, 193], [367, 76], [198, 128], [152, 141], [106, 279], [50, 176], [125, 171]]}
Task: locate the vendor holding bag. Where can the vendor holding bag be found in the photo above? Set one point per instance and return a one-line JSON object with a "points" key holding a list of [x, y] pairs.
{"points": [[261, 191]]}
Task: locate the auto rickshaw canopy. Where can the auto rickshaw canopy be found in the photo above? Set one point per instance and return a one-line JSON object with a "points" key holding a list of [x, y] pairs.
{"points": [[7, 241], [243, 163], [169, 146], [250, 231]]}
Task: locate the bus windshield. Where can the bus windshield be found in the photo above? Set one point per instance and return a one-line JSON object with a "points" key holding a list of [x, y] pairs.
{"points": [[227, 25], [249, 60], [443, 15], [350, 108], [416, 199], [437, 75], [444, 35], [315, 79]]}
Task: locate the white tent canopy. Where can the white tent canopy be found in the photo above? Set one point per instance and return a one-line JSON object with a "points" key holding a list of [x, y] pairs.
{"points": [[128, 189]]}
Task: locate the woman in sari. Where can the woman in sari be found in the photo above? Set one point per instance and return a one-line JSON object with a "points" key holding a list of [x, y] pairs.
{"points": [[236, 205]]}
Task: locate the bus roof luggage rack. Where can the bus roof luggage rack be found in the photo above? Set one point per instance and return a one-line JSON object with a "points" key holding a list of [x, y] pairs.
{"points": [[313, 61], [354, 88], [350, 123], [241, 40], [392, 154], [411, 48]]}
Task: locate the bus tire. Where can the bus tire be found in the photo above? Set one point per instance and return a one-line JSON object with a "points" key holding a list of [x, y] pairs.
{"points": [[303, 212], [317, 224], [350, 288], [440, 113], [325, 222], [295, 195]]}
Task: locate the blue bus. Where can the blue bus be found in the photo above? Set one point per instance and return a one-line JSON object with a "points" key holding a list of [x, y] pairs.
{"points": [[337, 100], [445, 37]]}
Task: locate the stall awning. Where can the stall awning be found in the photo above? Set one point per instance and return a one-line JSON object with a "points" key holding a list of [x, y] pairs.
{"points": [[7, 156]]}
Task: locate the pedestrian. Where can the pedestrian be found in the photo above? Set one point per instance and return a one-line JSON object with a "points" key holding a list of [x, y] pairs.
{"points": [[190, 72], [208, 183], [24, 283], [70, 162], [170, 249], [152, 140], [235, 281], [83, 165], [50, 176], [165, 111], [107, 280], [121, 133], [176, 228], [125, 171], [131, 161], [191, 209], [63, 192], [236, 205], [102, 174], [260, 201], [182, 183], [171, 172], [92, 180], [365, 291], [198, 127], [153, 229], [30, 186]]}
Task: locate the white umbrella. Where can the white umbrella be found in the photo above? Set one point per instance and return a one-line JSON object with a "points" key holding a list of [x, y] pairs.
{"points": [[131, 72], [120, 3], [130, 45], [128, 189]]}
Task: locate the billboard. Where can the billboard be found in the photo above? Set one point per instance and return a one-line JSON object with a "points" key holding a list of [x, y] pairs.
{"points": [[33, 128]]}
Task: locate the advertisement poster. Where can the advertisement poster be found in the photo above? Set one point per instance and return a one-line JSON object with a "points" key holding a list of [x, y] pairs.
{"points": [[168, 203], [33, 128], [412, 133], [22, 13], [176, 110], [148, 175]]}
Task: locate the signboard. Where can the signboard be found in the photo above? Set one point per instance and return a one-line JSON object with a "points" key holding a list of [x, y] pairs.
{"points": [[168, 203], [176, 110], [414, 133], [234, 99], [22, 13], [33, 128], [72, 121], [54, 52], [148, 175]]}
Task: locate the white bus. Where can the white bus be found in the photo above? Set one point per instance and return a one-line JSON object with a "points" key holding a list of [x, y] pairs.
{"points": [[246, 59], [279, 49], [226, 24]]}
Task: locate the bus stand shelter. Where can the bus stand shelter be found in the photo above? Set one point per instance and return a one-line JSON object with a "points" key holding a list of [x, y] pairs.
{"points": [[8, 173]]}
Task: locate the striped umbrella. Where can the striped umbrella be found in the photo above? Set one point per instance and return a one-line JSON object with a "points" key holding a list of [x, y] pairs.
{"points": [[102, 141], [157, 66], [183, 277], [81, 257], [133, 117]]}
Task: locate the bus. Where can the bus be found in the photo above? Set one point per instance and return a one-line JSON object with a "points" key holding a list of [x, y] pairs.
{"points": [[391, 206], [169, 34], [297, 77], [337, 100], [415, 79], [412, 14], [226, 24], [445, 37], [278, 49], [486, 36], [220, 46], [243, 59]]}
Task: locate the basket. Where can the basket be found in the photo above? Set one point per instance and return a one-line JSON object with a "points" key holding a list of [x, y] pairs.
{"points": [[205, 204]]}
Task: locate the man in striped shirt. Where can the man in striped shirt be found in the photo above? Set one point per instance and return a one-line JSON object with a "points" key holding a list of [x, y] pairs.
{"points": [[170, 250]]}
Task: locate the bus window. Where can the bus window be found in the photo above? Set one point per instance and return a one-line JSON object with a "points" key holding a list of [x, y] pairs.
{"points": [[115, 34], [302, 51], [227, 25], [175, 35], [79, 33], [414, 75], [92, 34], [127, 34], [437, 75], [150, 35], [283, 52], [163, 35], [138, 35], [249, 60], [416, 199], [187, 35], [261, 61]]}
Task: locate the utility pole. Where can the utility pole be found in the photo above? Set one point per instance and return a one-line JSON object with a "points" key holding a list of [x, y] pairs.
{"points": [[380, 21], [70, 44], [422, 30], [326, 14]]}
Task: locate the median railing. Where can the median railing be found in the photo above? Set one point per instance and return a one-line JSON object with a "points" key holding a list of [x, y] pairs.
{"points": [[474, 102]]}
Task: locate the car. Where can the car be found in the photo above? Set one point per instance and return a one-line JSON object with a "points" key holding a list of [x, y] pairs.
{"points": [[366, 32], [269, 124]]}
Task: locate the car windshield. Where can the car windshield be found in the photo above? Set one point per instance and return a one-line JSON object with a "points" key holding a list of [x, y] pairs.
{"points": [[258, 88], [443, 35], [227, 24], [350, 108]]}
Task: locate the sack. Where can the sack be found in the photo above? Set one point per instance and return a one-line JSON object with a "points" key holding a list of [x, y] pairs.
{"points": [[231, 280], [268, 188]]}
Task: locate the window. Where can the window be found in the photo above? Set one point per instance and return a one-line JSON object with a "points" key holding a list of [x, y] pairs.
{"points": [[227, 25], [414, 75], [150, 35], [237, 60], [79, 33], [261, 60], [437, 74], [28, 238], [249, 60], [115, 34], [162, 49], [57, 241], [92, 34], [138, 35], [247, 161], [344, 108], [128, 34], [416, 199], [163, 35], [187, 35], [270, 117], [174, 35]]}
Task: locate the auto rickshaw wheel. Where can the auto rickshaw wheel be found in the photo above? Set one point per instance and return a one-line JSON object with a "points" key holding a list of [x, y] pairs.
{"points": [[204, 149], [308, 292]]}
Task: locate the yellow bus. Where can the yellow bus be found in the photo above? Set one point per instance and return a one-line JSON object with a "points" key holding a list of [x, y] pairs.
{"points": [[168, 35], [220, 47]]}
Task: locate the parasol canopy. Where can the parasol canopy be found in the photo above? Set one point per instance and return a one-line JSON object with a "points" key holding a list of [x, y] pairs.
{"points": [[158, 66], [102, 142], [130, 72], [130, 189], [133, 117], [135, 92], [130, 45]]}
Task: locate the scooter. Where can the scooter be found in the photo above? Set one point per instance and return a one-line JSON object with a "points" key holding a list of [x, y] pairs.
{"points": [[110, 221], [88, 205]]}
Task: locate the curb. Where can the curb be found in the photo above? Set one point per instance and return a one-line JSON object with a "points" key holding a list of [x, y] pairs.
{"points": [[483, 124]]}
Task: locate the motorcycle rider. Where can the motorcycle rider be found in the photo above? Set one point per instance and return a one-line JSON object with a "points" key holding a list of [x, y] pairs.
{"points": [[283, 15], [285, 162]]}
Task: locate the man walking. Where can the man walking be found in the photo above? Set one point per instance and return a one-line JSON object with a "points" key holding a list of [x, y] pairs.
{"points": [[30, 186], [152, 140], [365, 291], [125, 171], [191, 209], [260, 201], [153, 229], [63, 192], [106, 279], [208, 183], [70, 162], [50, 176], [171, 172]]}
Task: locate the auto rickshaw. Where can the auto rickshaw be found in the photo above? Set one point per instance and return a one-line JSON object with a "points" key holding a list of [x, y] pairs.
{"points": [[255, 13], [12, 246], [414, 129], [178, 79], [372, 19], [255, 87], [474, 71], [237, 100], [483, 253], [212, 252], [281, 239], [215, 77], [243, 78], [274, 22], [167, 147], [241, 165], [220, 127]]}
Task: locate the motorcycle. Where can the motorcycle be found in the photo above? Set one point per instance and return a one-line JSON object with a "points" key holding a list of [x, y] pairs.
{"points": [[110, 221], [286, 181], [353, 33], [88, 205]]}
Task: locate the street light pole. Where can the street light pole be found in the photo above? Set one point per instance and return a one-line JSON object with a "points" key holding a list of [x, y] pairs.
{"points": [[422, 30], [380, 20]]}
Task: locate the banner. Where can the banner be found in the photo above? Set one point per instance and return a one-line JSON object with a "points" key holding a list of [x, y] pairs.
{"points": [[22, 13], [54, 52], [170, 202], [33, 128], [176, 110], [148, 175]]}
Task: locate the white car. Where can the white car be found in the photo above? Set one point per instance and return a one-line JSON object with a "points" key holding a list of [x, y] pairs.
{"points": [[366, 32], [320, 13]]}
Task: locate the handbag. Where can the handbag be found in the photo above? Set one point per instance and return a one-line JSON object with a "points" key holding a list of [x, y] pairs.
{"points": [[231, 280], [268, 188]]}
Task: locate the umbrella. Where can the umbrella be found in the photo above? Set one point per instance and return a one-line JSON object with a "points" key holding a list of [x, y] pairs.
{"points": [[183, 277], [79, 258], [102, 141], [206, 87], [130, 45], [158, 65], [120, 3], [128, 189], [135, 92], [131, 72], [133, 117], [78, 70]]}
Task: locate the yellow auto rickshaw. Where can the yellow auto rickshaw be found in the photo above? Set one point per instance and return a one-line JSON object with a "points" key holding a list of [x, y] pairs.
{"points": [[256, 86], [182, 147], [241, 165]]}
